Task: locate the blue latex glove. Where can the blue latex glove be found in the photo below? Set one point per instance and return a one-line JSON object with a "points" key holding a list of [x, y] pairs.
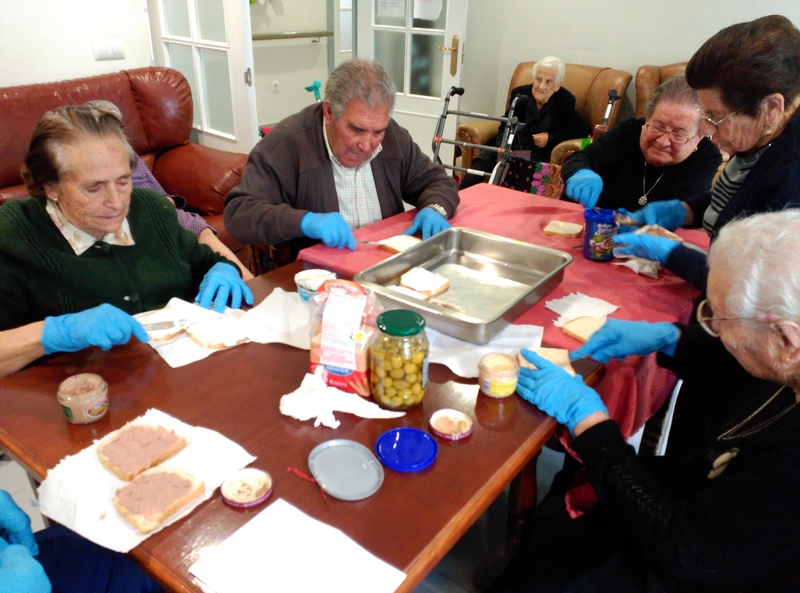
{"points": [[551, 389], [103, 326], [329, 228], [670, 214], [585, 187], [21, 573], [429, 222], [618, 339], [219, 283], [15, 525], [646, 246]]}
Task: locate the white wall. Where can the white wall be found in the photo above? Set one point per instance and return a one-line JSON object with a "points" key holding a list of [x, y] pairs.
{"points": [[623, 34], [50, 40]]}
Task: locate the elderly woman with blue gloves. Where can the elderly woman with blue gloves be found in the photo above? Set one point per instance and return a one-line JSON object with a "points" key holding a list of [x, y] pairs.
{"points": [[723, 516], [747, 78], [87, 251], [639, 162], [56, 559]]}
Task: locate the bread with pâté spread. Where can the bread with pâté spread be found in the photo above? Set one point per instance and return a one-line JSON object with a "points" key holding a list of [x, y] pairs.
{"points": [[135, 448]]}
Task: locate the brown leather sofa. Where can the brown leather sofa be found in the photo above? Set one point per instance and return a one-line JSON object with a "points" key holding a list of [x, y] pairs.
{"points": [[157, 109], [649, 77], [589, 84]]}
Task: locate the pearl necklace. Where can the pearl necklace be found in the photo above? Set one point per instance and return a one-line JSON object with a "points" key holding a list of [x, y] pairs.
{"points": [[643, 199]]}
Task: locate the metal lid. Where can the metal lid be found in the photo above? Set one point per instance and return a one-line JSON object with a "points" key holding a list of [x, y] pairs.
{"points": [[345, 469], [400, 322]]}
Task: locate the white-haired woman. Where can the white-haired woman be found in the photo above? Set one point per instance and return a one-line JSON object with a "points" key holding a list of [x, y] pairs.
{"points": [[549, 117], [725, 516]]}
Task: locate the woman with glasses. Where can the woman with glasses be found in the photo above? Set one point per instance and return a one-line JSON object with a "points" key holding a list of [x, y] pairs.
{"points": [[747, 78], [640, 161], [724, 516]]}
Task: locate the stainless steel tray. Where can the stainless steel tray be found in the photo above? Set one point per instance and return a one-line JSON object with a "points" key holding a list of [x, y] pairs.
{"points": [[492, 279]]}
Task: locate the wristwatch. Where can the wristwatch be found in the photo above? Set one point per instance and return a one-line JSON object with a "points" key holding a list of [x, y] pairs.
{"points": [[438, 208]]}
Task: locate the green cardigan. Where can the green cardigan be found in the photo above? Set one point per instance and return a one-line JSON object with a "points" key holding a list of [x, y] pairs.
{"points": [[40, 275]]}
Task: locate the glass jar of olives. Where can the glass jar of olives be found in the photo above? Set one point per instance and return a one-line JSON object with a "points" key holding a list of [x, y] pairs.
{"points": [[399, 360]]}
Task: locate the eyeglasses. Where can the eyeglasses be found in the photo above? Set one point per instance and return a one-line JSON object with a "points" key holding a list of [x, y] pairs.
{"points": [[706, 319], [655, 131], [717, 123]]}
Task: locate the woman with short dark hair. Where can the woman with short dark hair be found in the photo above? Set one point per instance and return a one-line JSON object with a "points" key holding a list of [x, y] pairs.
{"points": [[747, 78]]}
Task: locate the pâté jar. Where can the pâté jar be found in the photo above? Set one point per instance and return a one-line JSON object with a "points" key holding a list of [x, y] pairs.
{"points": [[399, 360]]}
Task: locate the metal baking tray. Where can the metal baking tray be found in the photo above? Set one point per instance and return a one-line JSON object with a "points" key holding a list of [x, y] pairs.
{"points": [[493, 280]]}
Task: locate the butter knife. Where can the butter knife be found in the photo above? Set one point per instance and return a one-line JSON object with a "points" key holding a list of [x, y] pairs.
{"points": [[150, 327]]}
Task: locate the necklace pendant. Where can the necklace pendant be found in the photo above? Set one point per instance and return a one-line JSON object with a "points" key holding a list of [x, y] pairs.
{"points": [[642, 200]]}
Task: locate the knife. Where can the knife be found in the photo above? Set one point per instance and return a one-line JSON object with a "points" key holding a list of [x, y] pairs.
{"points": [[150, 327]]}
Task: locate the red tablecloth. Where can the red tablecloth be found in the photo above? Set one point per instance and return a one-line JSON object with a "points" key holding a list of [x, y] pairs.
{"points": [[632, 389]]}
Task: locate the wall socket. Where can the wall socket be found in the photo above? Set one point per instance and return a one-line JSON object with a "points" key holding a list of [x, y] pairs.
{"points": [[274, 86]]}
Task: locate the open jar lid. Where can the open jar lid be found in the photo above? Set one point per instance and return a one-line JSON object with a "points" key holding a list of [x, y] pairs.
{"points": [[406, 449]]}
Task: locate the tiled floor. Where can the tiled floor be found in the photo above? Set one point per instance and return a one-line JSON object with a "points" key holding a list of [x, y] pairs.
{"points": [[475, 560]]}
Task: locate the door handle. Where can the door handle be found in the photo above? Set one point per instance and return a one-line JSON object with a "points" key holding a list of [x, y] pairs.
{"points": [[453, 54]]}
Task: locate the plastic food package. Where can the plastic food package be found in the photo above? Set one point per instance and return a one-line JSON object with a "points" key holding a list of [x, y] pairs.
{"points": [[342, 324]]}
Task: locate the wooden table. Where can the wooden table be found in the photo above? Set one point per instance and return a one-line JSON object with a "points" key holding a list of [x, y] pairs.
{"points": [[411, 522]]}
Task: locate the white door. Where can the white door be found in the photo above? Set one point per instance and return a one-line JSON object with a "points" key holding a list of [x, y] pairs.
{"points": [[209, 42], [421, 44]]}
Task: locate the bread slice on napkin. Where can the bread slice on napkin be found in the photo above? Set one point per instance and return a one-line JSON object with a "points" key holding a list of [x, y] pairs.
{"points": [[558, 356], [152, 496], [137, 447]]}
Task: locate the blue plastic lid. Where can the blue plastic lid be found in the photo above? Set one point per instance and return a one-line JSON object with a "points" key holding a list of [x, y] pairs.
{"points": [[406, 449]]}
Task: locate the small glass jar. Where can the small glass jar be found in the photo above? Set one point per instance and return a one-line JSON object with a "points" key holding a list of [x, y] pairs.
{"points": [[399, 360], [83, 398], [498, 374]]}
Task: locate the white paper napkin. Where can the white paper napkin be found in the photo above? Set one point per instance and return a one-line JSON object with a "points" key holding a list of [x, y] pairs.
{"points": [[577, 305], [462, 357], [315, 399], [79, 492], [281, 317], [283, 549]]}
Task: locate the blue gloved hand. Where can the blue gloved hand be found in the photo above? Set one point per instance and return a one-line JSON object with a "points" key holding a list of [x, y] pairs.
{"points": [[15, 525], [669, 214], [330, 228], [585, 187], [103, 326], [646, 246], [21, 573], [429, 222], [219, 283], [618, 339], [551, 389]]}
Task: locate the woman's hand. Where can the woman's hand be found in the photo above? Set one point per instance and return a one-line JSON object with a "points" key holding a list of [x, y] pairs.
{"points": [[541, 139], [104, 326], [551, 389], [619, 339], [220, 283]]}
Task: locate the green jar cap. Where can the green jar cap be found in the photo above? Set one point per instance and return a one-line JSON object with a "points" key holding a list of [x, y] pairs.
{"points": [[400, 322]]}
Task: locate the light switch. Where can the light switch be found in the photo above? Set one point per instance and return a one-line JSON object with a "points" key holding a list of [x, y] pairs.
{"points": [[108, 49]]}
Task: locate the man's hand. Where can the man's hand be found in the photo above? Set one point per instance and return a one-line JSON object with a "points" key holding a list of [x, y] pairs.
{"points": [[429, 222], [330, 228]]}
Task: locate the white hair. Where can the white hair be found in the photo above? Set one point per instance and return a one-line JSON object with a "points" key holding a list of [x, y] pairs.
{"points": [[761, 255], [551, 63]]}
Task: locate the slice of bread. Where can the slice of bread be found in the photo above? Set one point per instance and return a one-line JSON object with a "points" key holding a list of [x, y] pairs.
{"points": [[223, 332], [137, 447], [150, 498], [582, 328], [658, 231], [557, 356], [560, 228], [422, 280], [398, 243], [165, 314]]}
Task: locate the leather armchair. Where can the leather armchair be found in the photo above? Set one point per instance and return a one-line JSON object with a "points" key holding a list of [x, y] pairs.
{"points": [[589, 84], [649, 77], [157, 109]]}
